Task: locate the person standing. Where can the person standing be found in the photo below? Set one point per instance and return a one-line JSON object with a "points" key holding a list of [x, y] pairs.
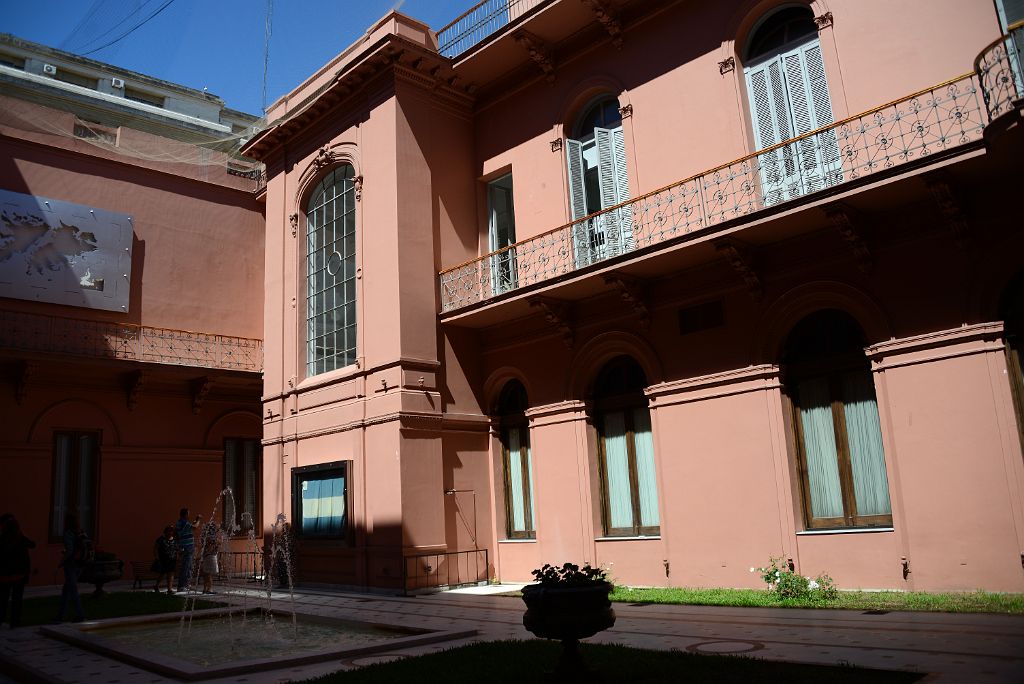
{"points": [[183, 530], [73, 561], [15, 567], [165, 550], [210, 548]]}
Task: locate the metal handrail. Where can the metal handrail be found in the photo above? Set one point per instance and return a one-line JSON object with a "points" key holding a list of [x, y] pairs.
{"points": [[128, 341], [1000, 70], [478, 23], [444, 569], [843, 148]]}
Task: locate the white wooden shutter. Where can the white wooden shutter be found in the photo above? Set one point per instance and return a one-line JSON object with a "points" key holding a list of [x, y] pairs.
{"points": [[577, 201], [605, 234], [789, 97], [622, 189], [766, 93]]}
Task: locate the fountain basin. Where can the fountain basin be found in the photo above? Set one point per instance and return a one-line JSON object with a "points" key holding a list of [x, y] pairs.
{"points": [[224, 642]]}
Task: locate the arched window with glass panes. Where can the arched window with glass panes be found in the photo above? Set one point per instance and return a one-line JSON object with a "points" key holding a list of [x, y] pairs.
{"points": [[517, 462], [331, 273], [599, 179], [835, 418], [629, 486], [788, 95]]}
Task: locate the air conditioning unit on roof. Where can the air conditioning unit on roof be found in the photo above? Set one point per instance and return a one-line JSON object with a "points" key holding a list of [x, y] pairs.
{"points": [[117, 82], [50, 69]]}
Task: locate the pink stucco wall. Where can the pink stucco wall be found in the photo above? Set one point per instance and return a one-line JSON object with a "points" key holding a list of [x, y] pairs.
{"points": [[413, 416], [197, 268]]}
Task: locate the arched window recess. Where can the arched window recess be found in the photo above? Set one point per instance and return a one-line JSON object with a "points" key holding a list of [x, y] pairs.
{"points": [[789, 96], [599, 179], [517, 461], [331, 272], [835, 418]]}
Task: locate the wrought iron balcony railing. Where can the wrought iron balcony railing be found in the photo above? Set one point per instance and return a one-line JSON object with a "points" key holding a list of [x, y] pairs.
{"points": [[932, 120], [480, 22], [102, 339], [1000, 70]]}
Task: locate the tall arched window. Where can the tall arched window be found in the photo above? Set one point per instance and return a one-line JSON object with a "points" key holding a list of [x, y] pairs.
{"points": [[789, 96], [1012, 311], [598, 179], [629, 488], [331, 273], [517, 461], [842, 462]]}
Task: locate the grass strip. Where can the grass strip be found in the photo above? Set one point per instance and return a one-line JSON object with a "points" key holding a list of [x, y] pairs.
{"points": [[530, 661], [950, 602], [43, 609]]}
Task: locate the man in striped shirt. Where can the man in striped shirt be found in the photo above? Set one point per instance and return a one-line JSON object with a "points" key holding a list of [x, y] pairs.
{"points": [[186, 547]]}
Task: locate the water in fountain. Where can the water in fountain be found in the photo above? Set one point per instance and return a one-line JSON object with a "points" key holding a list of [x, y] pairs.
{"points": [[277, 562]]}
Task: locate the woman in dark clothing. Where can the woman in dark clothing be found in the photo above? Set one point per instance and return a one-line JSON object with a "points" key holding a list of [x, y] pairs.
{"points": [[165, 549], [15, 567]]}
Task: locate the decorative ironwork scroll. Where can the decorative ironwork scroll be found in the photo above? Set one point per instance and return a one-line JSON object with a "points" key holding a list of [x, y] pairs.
{"points": [[103, 339], [922, 124]]}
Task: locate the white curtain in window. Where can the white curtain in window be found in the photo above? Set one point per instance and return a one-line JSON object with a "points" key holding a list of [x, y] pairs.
{"points": [[529, 480], [620, 505], [323, 506], [515, 485], [60, 483], [645, 476], [867, 458], [87, 483], [820, 449]]}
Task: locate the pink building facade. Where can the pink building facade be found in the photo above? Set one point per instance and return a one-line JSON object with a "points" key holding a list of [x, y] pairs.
{"points": [[130, 305], [668, 287]]}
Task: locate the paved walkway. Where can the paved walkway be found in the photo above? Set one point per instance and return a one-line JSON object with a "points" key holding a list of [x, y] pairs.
{"points": [[970, 648]]}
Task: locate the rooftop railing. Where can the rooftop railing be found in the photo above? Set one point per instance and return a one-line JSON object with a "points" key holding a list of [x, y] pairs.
{"points": [[999, 71], [106, 340], [924, 123], [480, 22]]}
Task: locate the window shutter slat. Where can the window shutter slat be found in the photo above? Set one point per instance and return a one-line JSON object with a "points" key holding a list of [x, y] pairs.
{"points": [[606, 236], [766, 130], [625, 218], [821, 106], [577, 201]]}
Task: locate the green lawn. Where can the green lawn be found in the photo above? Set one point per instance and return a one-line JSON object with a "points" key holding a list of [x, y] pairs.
{"points": [[975, 602], [42, 610], [528, 661]]}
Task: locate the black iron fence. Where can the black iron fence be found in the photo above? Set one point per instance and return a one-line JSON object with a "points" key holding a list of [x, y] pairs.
{"points": [[444, 570], [240, 565]]}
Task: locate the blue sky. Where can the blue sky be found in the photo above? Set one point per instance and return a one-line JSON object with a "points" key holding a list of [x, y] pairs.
{"points": [[214, 44]]}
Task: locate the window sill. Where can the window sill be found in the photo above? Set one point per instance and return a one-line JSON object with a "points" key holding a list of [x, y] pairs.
{"points": [[518, 541], [640, 538], [848, 530]]}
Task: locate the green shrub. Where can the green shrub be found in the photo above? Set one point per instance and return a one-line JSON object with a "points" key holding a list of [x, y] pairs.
{"points": [[787, 584]]}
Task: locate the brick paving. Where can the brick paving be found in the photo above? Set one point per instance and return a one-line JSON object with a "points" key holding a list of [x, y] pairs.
{"points": [[951, 648]]}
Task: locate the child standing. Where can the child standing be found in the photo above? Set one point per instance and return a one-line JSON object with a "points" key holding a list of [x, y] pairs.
{"points": [[165, 549], [210, 546]]}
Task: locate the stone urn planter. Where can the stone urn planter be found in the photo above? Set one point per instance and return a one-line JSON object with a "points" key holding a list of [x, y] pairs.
{"points": [[99, 572], [573, 607]]}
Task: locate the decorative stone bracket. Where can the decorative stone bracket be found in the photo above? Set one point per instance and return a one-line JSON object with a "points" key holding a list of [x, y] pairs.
{"points": [[741, 263], [25, 371], [951, 206], [200, 388], [608, 18], [538, 51], [558, 314], [633, 293], [136, 380], [847, 222]]}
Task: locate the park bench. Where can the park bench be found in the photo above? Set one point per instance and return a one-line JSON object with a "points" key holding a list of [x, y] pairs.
{"points": [[141, 573]]}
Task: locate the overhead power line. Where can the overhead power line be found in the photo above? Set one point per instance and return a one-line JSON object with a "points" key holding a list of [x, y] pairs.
{"points": [[132, 29]]}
